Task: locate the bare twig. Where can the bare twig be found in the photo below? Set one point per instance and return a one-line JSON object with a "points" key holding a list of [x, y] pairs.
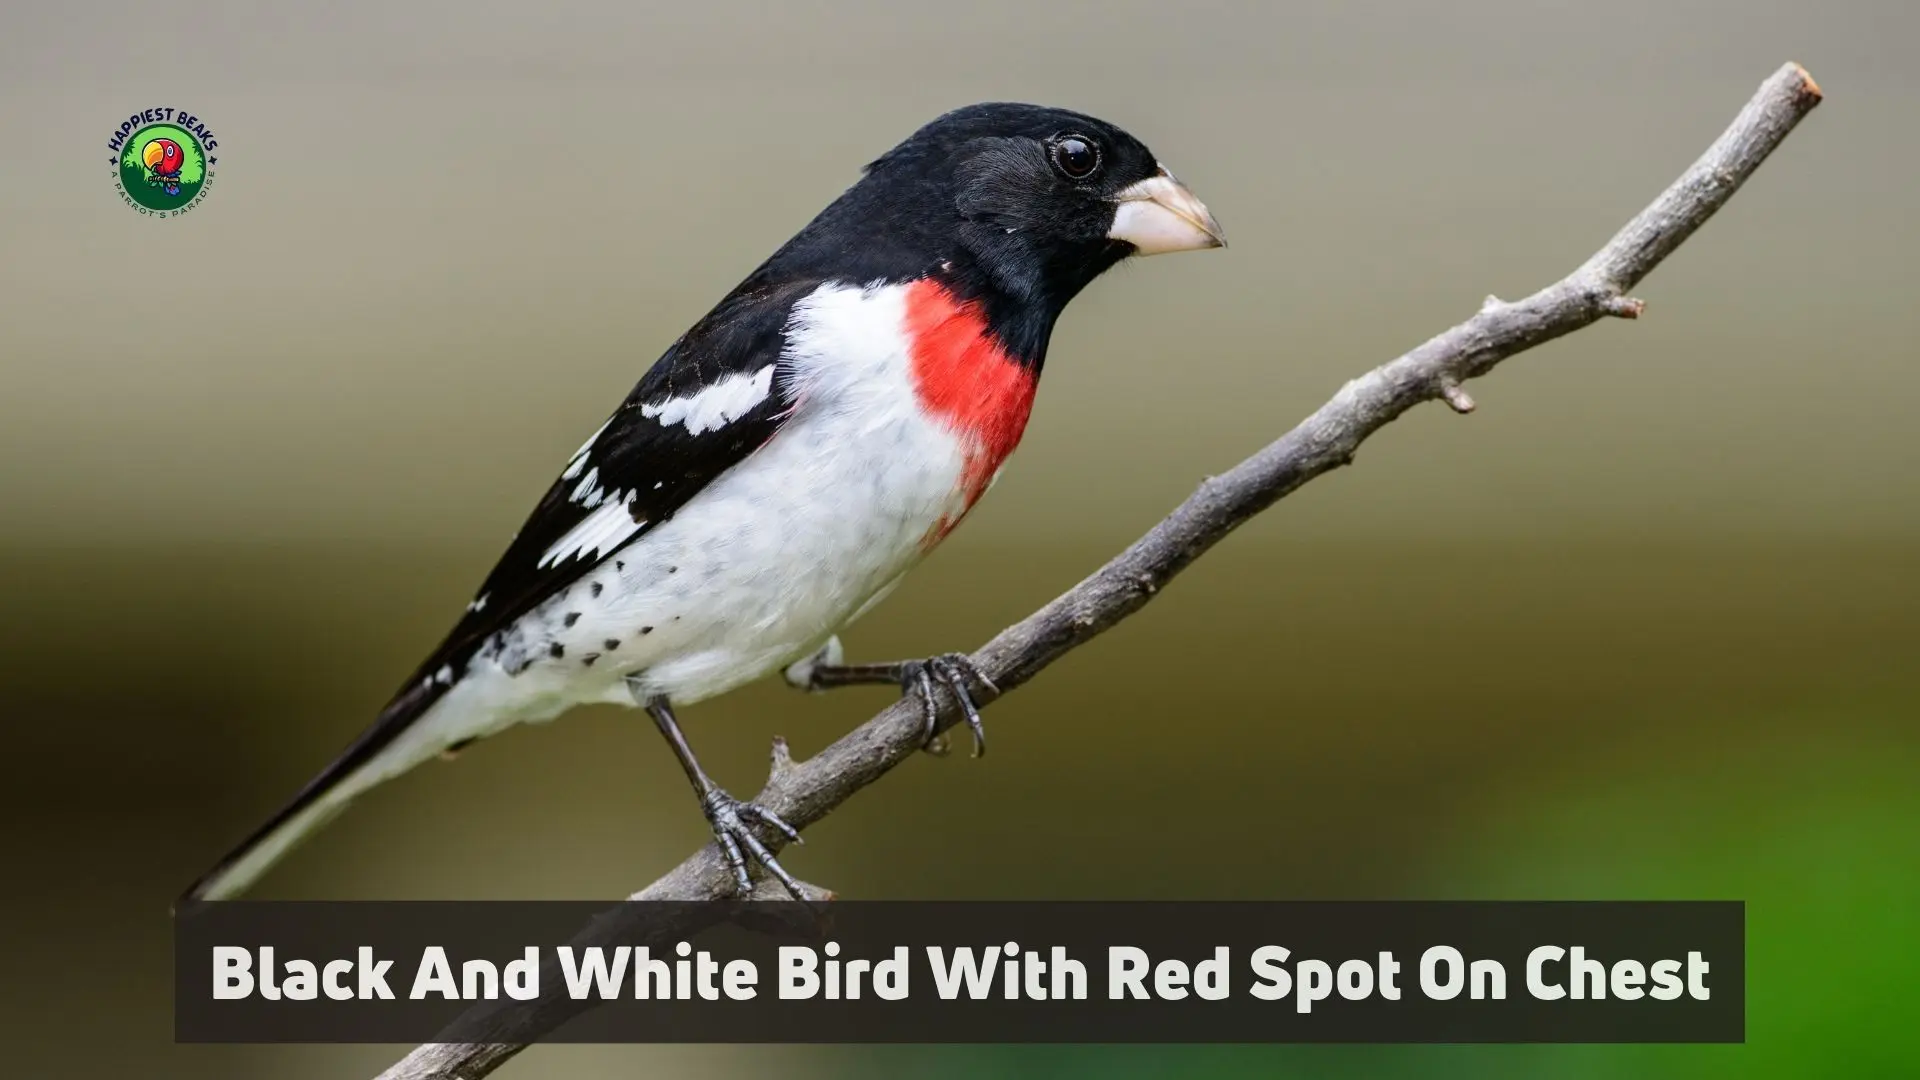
{"points": [[804, 792]]}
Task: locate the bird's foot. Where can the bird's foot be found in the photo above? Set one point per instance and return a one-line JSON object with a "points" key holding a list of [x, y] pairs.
{"points": [[958, 674], [732, 822], [824, 671]]}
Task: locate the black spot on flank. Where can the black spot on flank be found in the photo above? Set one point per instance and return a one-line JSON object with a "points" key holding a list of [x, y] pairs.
{"points": [[612, 644], [556, 650], [572, 617], [673, 569], [619, 566], [597, 587], [646, 629], [588, 659]]}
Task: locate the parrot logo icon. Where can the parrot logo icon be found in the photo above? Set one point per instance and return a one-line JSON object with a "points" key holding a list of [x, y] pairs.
{"points": [[163, 158], [163, 161]]}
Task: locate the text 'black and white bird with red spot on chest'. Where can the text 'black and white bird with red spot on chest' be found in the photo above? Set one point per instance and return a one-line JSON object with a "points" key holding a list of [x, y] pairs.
{"points": [[787, 460]]}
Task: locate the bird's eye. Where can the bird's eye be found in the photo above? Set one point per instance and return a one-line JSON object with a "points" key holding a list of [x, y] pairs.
{"points": [[1076, 156]]}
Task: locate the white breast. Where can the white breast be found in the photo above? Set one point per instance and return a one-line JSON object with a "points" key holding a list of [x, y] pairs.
{"points": [[777, 553]]}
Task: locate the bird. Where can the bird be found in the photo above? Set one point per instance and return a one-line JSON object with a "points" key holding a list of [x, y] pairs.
{"points": [[780, 467]]}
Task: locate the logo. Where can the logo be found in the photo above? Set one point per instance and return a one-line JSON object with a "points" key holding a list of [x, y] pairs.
{"points": [[163, 161]]}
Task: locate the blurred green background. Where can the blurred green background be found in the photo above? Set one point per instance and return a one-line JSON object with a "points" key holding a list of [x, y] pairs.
{"points": [[1643, 626]]}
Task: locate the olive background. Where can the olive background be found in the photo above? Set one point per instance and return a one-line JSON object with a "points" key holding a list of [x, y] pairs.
{"points": [[1644, 625]]}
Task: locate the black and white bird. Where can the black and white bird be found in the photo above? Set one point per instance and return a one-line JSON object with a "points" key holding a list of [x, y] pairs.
{"points": [[786, 461]]}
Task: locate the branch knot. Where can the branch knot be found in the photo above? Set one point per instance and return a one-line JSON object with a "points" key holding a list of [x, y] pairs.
{"points": [[1456, 395], [1622, 307]]}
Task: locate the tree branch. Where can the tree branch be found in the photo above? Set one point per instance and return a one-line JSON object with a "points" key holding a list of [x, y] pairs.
{"points": [[804, 792]]}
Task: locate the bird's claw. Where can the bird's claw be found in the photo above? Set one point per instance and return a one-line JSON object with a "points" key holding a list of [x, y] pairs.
{"points": [[732, 828], [958, 674]]}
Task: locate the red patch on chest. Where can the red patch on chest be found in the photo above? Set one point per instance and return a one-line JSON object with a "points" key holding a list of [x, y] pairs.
{"points": [[964, 378]]}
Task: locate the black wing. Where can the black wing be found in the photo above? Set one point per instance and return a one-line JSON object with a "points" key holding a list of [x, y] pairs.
{"points": [[650, 458], [646, 463]]}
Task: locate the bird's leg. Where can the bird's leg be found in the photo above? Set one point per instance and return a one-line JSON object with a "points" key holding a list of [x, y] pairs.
{"points": [[955, 671], [728, 816]]}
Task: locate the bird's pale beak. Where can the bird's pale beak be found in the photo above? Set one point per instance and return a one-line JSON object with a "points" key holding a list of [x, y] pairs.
{"points": [[1159, 214]]}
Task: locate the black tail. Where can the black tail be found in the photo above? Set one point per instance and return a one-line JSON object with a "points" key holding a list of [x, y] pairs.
{"points": [[380, 752]]}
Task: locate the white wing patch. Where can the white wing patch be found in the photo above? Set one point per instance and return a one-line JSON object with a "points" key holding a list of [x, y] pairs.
{"points": [[609, 526], [588, 488], [611, 522], [589, 493], [579, 459], [715, 406]]}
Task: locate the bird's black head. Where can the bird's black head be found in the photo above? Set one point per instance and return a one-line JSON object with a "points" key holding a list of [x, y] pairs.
{"points": [[1016, 206]]}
